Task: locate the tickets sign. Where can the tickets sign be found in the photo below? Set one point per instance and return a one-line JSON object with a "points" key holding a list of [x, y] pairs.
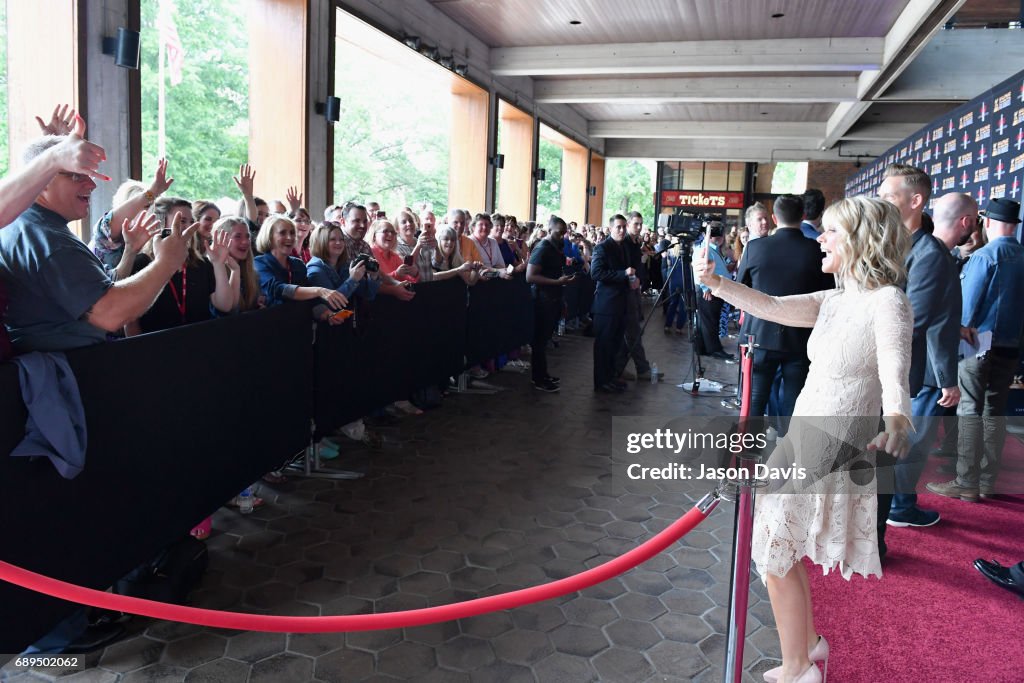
{"points": [[703, 200]]}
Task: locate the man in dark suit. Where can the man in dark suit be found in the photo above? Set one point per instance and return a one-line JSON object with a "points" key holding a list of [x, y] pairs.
{"points": [[814, 206], [782, 264], [611, 270], [933, 288]]}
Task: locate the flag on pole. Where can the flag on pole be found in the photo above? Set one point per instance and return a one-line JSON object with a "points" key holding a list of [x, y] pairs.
{"points": [[170, 41]]}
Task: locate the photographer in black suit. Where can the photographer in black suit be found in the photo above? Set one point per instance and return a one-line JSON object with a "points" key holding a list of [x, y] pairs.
{"points": [[782, 264], [611, 270]]}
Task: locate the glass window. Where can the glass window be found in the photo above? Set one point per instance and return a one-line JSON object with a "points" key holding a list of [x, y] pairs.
{"points": [[197, 114], [670, 175], [716, 175], [389, 149], [790, 177], [737, 174], [693, 175], [629, 186], [549, 190]]}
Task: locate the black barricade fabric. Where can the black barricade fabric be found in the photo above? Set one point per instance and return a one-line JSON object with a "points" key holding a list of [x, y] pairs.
{"points": [[500, 318], [387, 351], [178, 422]]}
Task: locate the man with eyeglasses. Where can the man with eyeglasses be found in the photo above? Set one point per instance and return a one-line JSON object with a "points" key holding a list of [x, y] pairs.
{"points": [[60, 295]]}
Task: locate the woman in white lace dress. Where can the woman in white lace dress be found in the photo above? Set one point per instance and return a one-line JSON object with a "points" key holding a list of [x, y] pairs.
{"points": [[860, 358]]}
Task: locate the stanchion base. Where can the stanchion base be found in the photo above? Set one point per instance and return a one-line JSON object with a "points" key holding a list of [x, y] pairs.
{"points": [[707, 386], [310, 467]]}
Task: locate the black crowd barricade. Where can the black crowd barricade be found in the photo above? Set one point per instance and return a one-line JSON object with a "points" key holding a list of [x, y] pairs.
{"points": [[500, 318], [387, 351], [178, 421]]}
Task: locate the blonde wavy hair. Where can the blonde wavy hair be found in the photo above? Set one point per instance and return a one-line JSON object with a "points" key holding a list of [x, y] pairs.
{"points": [[876, 244]]}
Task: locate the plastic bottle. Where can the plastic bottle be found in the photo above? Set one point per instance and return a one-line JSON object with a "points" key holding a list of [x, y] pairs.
{"points": [[561, 327], [245, 501], [654, 373]]}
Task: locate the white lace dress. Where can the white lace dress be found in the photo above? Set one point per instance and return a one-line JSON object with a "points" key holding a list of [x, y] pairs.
{"points": [[860, 363]]}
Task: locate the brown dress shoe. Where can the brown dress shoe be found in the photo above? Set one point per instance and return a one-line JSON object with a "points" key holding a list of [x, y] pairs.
{"points": [[951, 489]]}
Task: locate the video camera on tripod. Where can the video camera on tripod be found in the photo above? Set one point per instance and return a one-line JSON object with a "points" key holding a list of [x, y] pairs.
{"points": [[685, 226]]}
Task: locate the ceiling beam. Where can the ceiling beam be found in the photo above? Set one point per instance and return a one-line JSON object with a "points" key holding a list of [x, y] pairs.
{"points": [[711, 89], [729, 149], [913, 28], [707, 56], [888, 132], [958, 65], [707, 129]]}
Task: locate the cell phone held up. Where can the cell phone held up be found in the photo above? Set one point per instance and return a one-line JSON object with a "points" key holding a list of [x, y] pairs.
{"points": [[343, 314]]}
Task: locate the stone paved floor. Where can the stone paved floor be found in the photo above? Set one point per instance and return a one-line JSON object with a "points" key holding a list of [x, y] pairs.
{"points": [[486, 495]]}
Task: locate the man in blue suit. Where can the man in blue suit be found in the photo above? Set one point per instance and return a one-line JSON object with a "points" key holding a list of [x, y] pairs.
{"points": [[933, 288], [615, 275]]}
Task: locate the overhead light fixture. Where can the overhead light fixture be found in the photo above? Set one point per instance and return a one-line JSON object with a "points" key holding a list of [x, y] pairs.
{"points": [[498, 161], [447, 62], [778, 15], [462, 70], [647, 113], [412, 42], [429, 51], [764, 113], [124, 48], [575, 22], [330, 108]]}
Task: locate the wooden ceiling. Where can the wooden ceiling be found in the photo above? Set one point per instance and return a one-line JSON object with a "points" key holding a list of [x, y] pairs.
{"points": [[653, 76]]}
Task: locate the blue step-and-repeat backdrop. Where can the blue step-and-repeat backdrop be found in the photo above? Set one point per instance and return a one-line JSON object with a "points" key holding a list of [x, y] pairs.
{"points": [[977, 148]]}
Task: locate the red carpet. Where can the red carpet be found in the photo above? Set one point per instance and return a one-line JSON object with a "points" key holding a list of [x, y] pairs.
{"points": [[933, 617]]}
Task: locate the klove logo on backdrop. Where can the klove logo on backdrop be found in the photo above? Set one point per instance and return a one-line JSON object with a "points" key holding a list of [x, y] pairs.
{"points": [[702, 199]]}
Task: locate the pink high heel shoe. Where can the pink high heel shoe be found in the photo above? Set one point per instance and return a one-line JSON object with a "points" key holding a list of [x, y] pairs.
{"points": [[818, 653]]}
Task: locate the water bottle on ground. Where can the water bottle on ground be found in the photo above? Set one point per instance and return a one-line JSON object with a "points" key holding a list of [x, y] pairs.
{"points": [[561, 327], [245, 501], [654, 373]]}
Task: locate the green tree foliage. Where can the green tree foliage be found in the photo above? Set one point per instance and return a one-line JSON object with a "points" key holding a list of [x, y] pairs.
{"points": [[628, 186], [391, 145], [4, 152], [208, 112], [549, 190]]}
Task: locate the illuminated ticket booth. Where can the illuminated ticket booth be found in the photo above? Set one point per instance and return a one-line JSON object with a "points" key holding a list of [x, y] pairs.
{"points": [[720, 188]]}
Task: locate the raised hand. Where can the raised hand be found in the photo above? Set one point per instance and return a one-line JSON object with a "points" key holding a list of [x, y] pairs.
{"points": [[217, 252], [232, 264], [75, 154], [143, 228], [61, 121], [173, 248], [293, 197], [161, 182], [245, 179]]}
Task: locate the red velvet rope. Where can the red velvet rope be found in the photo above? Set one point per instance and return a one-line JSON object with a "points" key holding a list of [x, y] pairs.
{"points": [[360, 622]]}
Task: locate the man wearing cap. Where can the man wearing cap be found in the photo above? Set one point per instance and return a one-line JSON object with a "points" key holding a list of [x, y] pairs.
{"points": [[993, 297]]}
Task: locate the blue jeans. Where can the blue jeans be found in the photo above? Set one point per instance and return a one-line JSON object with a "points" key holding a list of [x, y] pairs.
{"points": [[926, 415]]}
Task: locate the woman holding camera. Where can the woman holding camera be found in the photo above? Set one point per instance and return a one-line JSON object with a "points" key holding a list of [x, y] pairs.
{"points": [[328, 268], [860, 358], [283, 276]]}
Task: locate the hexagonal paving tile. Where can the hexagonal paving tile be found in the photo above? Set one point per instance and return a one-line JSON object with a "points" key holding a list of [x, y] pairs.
{"points": [[465, 653], [617, 665], [683, 628], [634, 635], [677, 659], [406, 660], [195, 650], [525, 647], [342, 666], [561, 668], [584, 641]]}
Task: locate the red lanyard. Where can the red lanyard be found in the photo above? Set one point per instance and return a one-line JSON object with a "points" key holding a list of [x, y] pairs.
{"points": [[184, 291]]}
